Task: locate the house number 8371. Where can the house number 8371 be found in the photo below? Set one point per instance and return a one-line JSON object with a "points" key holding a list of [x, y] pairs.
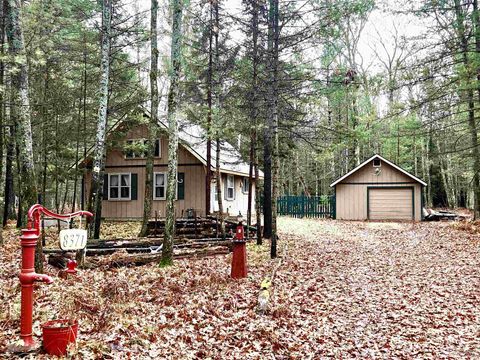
{"points": [[73, 239]]}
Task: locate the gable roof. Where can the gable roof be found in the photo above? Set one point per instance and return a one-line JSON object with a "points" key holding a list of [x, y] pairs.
{"points": [[193, 138], [376, 156]]}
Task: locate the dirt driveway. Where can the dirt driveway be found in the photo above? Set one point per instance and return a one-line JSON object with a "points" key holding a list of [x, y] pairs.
{"points": [[381, 290]]}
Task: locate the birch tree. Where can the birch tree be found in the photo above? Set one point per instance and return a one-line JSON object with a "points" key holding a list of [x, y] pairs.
{"points": [[96, 196], [21, 104], [253, 168], [153, 123], [172, 118], [217, 90]]}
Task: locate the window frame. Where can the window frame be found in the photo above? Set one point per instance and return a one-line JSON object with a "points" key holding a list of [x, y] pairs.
{"points": [[379, 163], [245, 180], [143, 140], [230, 187], [165, 174], [119, 187], [215, 193]]}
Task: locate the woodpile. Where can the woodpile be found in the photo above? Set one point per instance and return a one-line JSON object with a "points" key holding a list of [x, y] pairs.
{"points": [[195, 227], [121, 255], [441, 215], [195, 237]]}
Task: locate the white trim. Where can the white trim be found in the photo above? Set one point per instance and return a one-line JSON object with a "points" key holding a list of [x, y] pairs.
{"points": [[155, 185], [119, 187], [384, 160]]}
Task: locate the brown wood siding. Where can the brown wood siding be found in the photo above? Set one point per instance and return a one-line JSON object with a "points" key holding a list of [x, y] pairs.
{"points": [[194, 170], [351, 193]]}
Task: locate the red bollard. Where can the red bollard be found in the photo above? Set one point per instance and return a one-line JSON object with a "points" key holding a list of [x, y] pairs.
{"points": [[239, 257], [71, 267]]}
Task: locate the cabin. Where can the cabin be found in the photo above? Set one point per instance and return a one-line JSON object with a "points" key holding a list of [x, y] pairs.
{"points": [[124, 180], [378, 189]]}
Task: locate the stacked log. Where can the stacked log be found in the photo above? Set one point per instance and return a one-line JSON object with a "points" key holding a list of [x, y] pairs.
{"points": [[195, 228]]}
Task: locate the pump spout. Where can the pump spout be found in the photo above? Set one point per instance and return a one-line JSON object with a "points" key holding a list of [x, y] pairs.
{"points": [[30, 278], [43, 278]]}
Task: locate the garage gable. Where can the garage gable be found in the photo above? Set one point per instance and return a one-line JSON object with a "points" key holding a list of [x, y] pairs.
{"points": [[385, 172]]}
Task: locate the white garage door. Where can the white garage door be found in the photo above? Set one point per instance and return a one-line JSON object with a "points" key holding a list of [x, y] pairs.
{"points": [[390, 204]]}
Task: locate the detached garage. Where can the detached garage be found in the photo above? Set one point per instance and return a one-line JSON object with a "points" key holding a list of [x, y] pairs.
{"points": [[378, 189]]}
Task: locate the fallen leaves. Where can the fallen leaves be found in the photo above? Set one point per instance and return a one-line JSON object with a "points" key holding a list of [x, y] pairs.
{"points": [[346, 289]]}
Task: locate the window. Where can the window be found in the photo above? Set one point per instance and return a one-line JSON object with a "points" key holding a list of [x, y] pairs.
{"points": [[245, 185], [377, 163], [160, 186], [230, 187], [119, 186], [137, 148]]}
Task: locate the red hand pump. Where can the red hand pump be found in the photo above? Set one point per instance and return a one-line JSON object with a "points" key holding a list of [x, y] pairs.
{"points": [[28, 276]]}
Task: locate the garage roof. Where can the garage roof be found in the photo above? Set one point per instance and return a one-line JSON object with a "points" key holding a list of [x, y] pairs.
{"points": [[376, 156]]}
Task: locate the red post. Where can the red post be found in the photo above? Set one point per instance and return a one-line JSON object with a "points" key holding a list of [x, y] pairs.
{"points": [[28, 276], [239, 257], [71, 267], [28, 241]]}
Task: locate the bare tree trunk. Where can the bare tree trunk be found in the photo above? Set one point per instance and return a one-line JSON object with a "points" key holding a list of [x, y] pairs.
{"points": [[217, 90], [253, 114], [153, 124], [273, 118], [444, 176], [172, 114], [96, 196], [9, 205], [472, 124], [268, 129], [258, 205], [219, 188], [208, 178], [77, 157], [426, 174], [28, 191], [2, 109], [80, 255], [84, 110]]}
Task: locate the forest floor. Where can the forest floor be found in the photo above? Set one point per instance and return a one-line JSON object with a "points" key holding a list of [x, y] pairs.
{"points": [[345, 289]]}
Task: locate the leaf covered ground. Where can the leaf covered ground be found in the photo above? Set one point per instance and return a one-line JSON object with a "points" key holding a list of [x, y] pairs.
{"points": [[344, 290]]}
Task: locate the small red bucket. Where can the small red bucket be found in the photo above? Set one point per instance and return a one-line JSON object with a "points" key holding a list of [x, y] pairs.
{"points": [[57, 334]]}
